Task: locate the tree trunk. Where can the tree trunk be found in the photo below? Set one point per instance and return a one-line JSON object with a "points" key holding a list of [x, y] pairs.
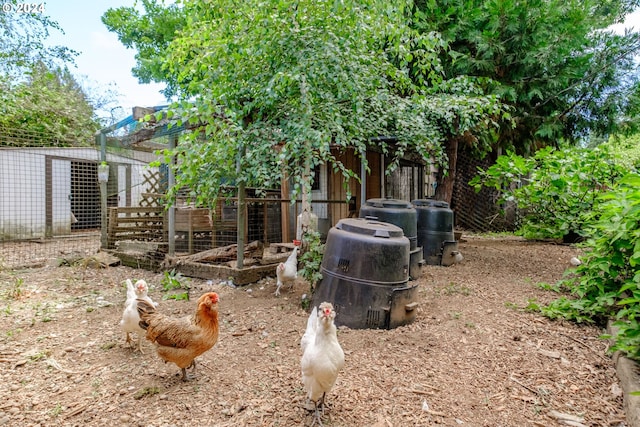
{"points": [[444, 189]]}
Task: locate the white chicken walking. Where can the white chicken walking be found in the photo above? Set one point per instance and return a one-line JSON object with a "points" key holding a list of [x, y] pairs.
{"points": [[287, 272], [130, 316], [322, 358]]}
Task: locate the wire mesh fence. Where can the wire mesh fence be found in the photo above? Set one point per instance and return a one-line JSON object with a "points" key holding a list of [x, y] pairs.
{"points": [[50, 200], [51, 204]]}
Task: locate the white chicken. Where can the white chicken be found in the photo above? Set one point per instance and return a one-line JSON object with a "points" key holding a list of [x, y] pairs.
{"points": [[130, 316], [322, 358], [287, 272]]}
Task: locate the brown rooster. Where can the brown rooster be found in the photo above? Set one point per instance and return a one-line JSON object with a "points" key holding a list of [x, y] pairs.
{"points": [[181, 340]]}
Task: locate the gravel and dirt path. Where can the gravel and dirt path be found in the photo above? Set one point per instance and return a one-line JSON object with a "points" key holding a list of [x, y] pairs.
{"points": [[474, 357]]}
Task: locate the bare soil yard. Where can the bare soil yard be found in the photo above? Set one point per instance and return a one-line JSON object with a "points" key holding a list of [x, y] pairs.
{"points": [[473, 357]]}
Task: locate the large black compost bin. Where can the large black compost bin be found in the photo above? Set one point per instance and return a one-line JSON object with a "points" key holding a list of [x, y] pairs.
{"points": [[435, 231], [402, 214], [365, 275]]}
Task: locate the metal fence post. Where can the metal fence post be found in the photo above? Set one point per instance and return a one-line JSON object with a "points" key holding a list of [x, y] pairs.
{"points": [[103, 194]]}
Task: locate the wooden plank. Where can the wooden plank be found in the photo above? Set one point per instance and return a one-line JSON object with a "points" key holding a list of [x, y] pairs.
{"points": [[136, 261], [138, 236], [139, 209], [112, 222], [242, 276], [138, 228], [285, 217], [141, 112], [193, 220], [135, 219], [216, 254]]}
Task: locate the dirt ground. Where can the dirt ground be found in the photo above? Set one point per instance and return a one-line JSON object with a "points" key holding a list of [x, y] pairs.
{"points": [[473, 357]]}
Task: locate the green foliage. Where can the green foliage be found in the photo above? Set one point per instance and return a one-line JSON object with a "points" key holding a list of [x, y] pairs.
{"points": [[555, 190], [312, 258], [48, 102], [626, 150], [275, 88], [17, 290], [607, 283], [554, 62], [150, 34], [173, 280], [38, 95], [22, 43]]}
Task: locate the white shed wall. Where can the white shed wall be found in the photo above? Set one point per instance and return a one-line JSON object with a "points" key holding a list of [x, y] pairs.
{"points": [[23, 189]]}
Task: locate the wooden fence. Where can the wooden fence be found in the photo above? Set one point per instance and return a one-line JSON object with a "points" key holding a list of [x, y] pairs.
{"points": [[136, 223]]}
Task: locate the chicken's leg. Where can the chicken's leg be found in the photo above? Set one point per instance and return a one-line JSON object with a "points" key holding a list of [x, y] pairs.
{"points": [[322, 403], [318, 410], [140, 344], [317, 417], [185, 376]]}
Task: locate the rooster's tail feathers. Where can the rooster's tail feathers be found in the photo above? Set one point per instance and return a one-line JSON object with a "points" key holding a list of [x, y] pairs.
{"points": [[145, 308]]}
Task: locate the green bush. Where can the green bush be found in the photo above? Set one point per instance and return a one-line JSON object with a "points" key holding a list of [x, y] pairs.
{"points": [[312, 258], [590, 192], [555, 191], [607, 283]]}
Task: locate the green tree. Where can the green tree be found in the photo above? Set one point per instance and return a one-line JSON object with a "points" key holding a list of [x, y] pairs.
{"points": [[149, 33], [22, 42], [564, 75], [276, 85], [48, 102], [37, 91]]}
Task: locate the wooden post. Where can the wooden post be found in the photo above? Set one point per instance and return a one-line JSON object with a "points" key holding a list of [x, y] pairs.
{"points": [[265, 222], [171, 214], [305, 216], [113, 224], [284, 209], [242, 209]]}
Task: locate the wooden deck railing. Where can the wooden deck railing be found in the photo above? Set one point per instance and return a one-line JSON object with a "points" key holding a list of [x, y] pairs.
{"points": [[135, 223]]}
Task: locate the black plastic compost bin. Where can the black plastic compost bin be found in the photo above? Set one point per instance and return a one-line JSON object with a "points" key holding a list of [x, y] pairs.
{"points": [[404, 215], [365, 275], [435, 231]]}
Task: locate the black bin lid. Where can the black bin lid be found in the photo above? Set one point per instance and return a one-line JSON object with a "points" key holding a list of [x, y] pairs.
{"points": [[369, 227], [431, 203], [388, 203]]}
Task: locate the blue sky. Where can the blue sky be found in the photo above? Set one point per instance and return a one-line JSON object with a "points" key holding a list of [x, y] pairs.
{"points": [[103, 59]]}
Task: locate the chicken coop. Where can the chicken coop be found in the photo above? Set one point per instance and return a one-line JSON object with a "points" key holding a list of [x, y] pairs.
{"points": [[203, 242], [109, 191]]}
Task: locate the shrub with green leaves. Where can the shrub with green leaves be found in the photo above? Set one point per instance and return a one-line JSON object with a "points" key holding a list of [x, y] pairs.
{"points": [[312, 258], [173, 281], [607, 283], [555, 191]]}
